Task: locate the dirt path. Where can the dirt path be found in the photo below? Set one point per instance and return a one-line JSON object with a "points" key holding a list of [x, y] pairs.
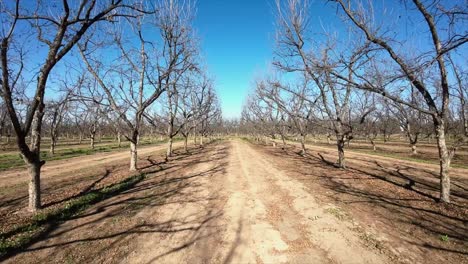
{"points": [[226, 203], [61, 167], [274, 219]]}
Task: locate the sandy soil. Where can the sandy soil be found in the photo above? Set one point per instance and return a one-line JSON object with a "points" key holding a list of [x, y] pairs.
{"points": [[235, 202]]}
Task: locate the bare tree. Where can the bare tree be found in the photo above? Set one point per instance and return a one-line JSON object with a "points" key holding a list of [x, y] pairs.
{"points": [[415, 69], [264, 115], [57, 111], [296, 55], [295, 102], [57, 30], [208, 111], [461, 92], [411, 122], [144, 72], [388, 123]]}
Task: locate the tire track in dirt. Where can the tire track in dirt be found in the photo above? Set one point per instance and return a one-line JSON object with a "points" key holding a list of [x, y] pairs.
{"points": [[278, 221]]}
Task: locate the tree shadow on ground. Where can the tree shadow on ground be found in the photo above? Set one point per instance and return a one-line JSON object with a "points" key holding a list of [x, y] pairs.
{"points": [[403, 197], [169, 182]]}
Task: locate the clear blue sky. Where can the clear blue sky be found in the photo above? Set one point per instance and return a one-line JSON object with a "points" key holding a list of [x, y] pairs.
{"points": [[237, 38]]}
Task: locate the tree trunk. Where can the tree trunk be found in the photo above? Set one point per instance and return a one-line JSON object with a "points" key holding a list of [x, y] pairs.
{"points": [[133, 155], [92, 141], [444, 158], [119, 139], [34, 161], [328, 139], [303, 148], [340, 143], [80, 139], [414, 150], [185, 144], [169, 148], [201, 140], [53, 142], [34, 170], [373, 144]]}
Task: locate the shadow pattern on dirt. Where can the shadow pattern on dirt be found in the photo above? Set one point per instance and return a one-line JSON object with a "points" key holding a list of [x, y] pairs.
{"points": [[116, 221], [399, 197]]}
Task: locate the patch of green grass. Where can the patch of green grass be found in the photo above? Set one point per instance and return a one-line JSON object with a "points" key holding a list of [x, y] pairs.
{"points": [[444, 238], [23, 235]]}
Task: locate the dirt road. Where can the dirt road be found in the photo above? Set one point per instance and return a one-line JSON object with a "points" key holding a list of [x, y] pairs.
{"points": [[276, 220], [226, 203]]}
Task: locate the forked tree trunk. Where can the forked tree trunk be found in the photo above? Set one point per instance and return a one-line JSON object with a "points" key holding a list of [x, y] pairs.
{"points": [[444, 158], [133, 155]]}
